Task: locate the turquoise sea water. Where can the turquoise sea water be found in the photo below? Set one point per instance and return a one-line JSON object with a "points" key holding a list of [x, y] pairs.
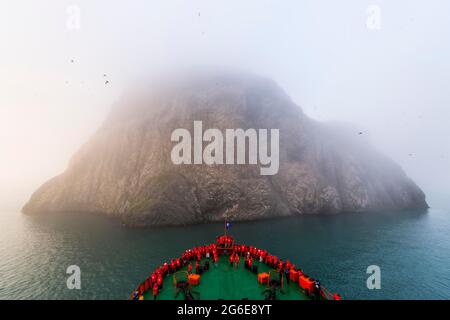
{"points": [[411, 248]]}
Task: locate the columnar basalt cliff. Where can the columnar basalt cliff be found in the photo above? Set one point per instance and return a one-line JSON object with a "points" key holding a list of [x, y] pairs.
{"points": [[125, 169]]}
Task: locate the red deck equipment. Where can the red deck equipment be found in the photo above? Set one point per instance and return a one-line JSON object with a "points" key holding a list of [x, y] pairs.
{"points": [[263, 278], [194, 279]]}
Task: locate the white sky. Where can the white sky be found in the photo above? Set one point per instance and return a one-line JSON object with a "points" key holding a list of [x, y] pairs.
{"points": [[393, 82]]}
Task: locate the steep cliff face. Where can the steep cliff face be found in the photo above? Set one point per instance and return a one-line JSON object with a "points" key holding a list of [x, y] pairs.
{"points": [[125, 170]]}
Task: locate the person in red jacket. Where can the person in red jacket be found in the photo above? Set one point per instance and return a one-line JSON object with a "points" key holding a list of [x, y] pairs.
{"points": [[236, 261], [197, 267], [159, 281], [165, 268], [155, 291], [190, 268], [280, 266], [216, 260], [231, 259]]}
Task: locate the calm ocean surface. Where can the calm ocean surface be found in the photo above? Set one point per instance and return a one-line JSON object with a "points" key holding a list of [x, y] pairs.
{"points": [[411, 248]]}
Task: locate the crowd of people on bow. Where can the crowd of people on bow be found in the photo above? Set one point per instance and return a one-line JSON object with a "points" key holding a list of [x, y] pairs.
{"points": [[196, 254], [224, 245]]}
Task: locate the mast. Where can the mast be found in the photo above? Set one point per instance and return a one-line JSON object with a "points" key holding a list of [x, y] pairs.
{"points": [[226, 219]]}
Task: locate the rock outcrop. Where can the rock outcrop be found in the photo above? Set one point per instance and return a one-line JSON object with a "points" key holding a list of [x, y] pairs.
{"points": [[125, 169]]}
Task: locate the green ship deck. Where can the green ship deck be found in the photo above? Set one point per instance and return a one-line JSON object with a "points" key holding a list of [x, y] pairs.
{"points": [[229, 283]]}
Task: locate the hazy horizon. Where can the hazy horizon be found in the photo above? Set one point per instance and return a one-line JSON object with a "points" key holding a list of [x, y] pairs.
{"points": [[394, 82]]}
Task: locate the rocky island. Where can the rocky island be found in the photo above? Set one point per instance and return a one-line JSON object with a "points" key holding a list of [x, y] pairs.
{"points": [[125, 170]]}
